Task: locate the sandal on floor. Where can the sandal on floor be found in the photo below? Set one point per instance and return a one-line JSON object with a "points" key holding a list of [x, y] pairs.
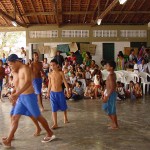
{"points": [[48, 139]]}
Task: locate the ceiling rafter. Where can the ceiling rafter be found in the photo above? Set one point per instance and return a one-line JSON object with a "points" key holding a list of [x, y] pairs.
{"points": [[41, 1], [17, 8], [2, 6], [106, 3], [34, 11], [129, 9], [11, 18], [86, 11], [138, 9], [79, 6], [55, 11], [95, 10], [106, 11]]}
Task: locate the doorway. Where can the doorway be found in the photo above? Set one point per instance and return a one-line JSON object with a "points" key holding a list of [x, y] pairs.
{"points": [[108, 51]]}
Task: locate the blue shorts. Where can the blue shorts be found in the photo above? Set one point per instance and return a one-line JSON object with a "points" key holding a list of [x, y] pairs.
{"points": [[1, 85], [110, 106], [58, 101], [26, 105], [37, 85]]}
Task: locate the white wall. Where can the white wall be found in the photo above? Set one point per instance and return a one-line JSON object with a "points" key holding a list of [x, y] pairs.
{"points": [[119, 46]]}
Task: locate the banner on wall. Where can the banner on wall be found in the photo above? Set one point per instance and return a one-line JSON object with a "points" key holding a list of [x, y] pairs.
{"points": [[88, 48], [73, 47], [64, 48]]}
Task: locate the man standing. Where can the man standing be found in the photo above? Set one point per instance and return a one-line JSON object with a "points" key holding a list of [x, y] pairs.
{"points": [[27, 100], [59, 58], [37, 69]]}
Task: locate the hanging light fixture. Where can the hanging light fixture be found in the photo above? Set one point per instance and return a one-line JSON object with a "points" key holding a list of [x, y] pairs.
{"points": [[122, 1], [14, 23], [99, 21]]}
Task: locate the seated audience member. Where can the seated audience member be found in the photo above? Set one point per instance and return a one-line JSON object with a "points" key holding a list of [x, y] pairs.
{"points": [[45, 66], [137, 91], [120, 91], [135, 67], [71, 58], [87, 74], [129, 92], [103, 65], [66, 65], [77, 92], [44, 90], [131, 58], [73, 80], [66, 74], [97, 81], [143, 67], [147, 55], [10, 87], [89, 91], [80, 72]]}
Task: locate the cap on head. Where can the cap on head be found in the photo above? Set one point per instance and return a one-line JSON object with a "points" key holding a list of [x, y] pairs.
{"points": [[14, 57]]}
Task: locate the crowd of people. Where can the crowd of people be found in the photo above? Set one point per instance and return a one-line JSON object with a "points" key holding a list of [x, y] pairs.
{"points": [[64, 78]]}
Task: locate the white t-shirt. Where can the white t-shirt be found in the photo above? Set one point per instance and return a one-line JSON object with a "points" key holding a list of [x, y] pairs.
{"points": [[96, 81], [73, 80], [143, 68], [87, 75]]}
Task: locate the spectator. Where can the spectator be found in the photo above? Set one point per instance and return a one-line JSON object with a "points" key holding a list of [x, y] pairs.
{"points": [[88, 58], [131, 58], [4, 60], [59, 58], [120, 62], [143, 67], [120, 91], [23, 55], [136, 69], [89, 91], [137, 91], [45, 66], [77, 92]]}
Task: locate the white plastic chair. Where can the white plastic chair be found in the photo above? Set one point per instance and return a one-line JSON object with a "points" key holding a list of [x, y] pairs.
{"points": [[144, 81], [119, 77], [129, 77]]}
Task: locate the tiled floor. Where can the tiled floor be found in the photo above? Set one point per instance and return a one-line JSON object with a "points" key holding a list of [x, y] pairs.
{"points": [[87, 128]]}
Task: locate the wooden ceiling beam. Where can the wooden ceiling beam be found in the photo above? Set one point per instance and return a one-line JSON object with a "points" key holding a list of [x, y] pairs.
{"points": [[17, 8], [34, 11], [138, 9], [106, 11], [2, 13], [43, 10], [129, 9], [86, 10], [55, 11], [95, 10]]}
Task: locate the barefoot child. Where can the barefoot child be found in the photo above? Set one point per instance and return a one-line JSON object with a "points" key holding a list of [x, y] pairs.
{"points": [[55, 91], [109, 97]]}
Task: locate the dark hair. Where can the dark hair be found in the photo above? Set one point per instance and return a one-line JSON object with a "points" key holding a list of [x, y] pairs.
{"points": [[73, 73], [132, 50], [103, 63], [112, 64], [93, 61], [118, 82], [80, 83], [54, 61], [131, 82], [5, 64], [89, 55], [135, 60], [35, 53]]}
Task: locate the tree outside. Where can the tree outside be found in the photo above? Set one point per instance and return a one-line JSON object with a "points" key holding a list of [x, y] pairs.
{"points": [[11, 42]]}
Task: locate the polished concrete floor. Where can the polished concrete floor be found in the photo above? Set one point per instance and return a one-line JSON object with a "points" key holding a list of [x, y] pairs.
{"points": [[87, 129]]}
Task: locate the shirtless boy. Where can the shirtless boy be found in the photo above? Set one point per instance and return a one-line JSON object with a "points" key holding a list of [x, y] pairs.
{"points": [[37, 69], [27, 102], [109, 97], [2, 75], [55, 91]]}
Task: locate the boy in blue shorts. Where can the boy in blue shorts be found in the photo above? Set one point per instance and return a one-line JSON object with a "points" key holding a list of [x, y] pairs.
{"points": [[109, 97], [56, 93]]}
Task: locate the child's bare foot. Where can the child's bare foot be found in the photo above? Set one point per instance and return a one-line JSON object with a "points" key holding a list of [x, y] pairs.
{"points": [[54, 127], [6, 144], [66, 121], [37, 133], [5, 138]]}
